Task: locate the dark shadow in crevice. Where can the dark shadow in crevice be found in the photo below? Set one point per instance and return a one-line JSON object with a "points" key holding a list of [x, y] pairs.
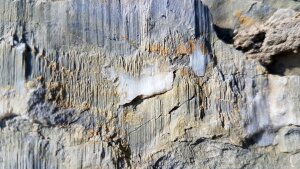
{"points": [[136, 101], [250, 141], [27, 55], [255, 43], [159, 163], [198, 141], [202, 20], [283, 64], [5, 119], [257, 137], [224, 34], [174, 109], [27, 60], [197, 26], [260, 37]]}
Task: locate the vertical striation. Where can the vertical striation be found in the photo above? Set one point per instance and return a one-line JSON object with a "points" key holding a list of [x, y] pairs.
{"points": [[148, 84]]}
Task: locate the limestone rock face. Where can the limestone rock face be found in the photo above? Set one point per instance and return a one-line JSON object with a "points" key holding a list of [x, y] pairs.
{"points": [[149, 84]]}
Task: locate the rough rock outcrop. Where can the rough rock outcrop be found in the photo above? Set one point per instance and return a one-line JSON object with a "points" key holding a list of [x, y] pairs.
{"points": [[278, 36], [149, 84]]}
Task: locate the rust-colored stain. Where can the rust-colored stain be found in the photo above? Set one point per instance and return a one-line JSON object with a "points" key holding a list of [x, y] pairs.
{"points": [[182, 49], [189, 47], [203, 49], [244, 20], [184, 72], [186, 48], [162, 50]]}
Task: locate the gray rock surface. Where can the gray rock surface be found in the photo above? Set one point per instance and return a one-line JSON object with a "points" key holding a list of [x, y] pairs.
{"points": [[149, 84]]}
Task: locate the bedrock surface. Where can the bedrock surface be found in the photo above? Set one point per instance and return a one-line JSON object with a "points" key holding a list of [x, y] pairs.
{"points": [[149, 84]]}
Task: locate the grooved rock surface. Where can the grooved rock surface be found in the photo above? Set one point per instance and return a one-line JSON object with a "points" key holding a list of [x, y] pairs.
{"points": [[149, 84]]}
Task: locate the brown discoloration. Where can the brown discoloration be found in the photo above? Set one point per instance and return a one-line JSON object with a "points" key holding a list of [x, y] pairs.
{"points": [[244, 20], [162, 50], [203, 49], [54, 92], [132, 118], [189, 47], [185, 72], [185, 48], [297, 15], [182, 49]]}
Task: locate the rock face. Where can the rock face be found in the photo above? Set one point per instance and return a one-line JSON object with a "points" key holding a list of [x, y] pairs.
{"points": [[149, 84]]}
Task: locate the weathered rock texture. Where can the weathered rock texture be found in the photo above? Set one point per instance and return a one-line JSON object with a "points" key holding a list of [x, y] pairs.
{"points": [[149, 84]]}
